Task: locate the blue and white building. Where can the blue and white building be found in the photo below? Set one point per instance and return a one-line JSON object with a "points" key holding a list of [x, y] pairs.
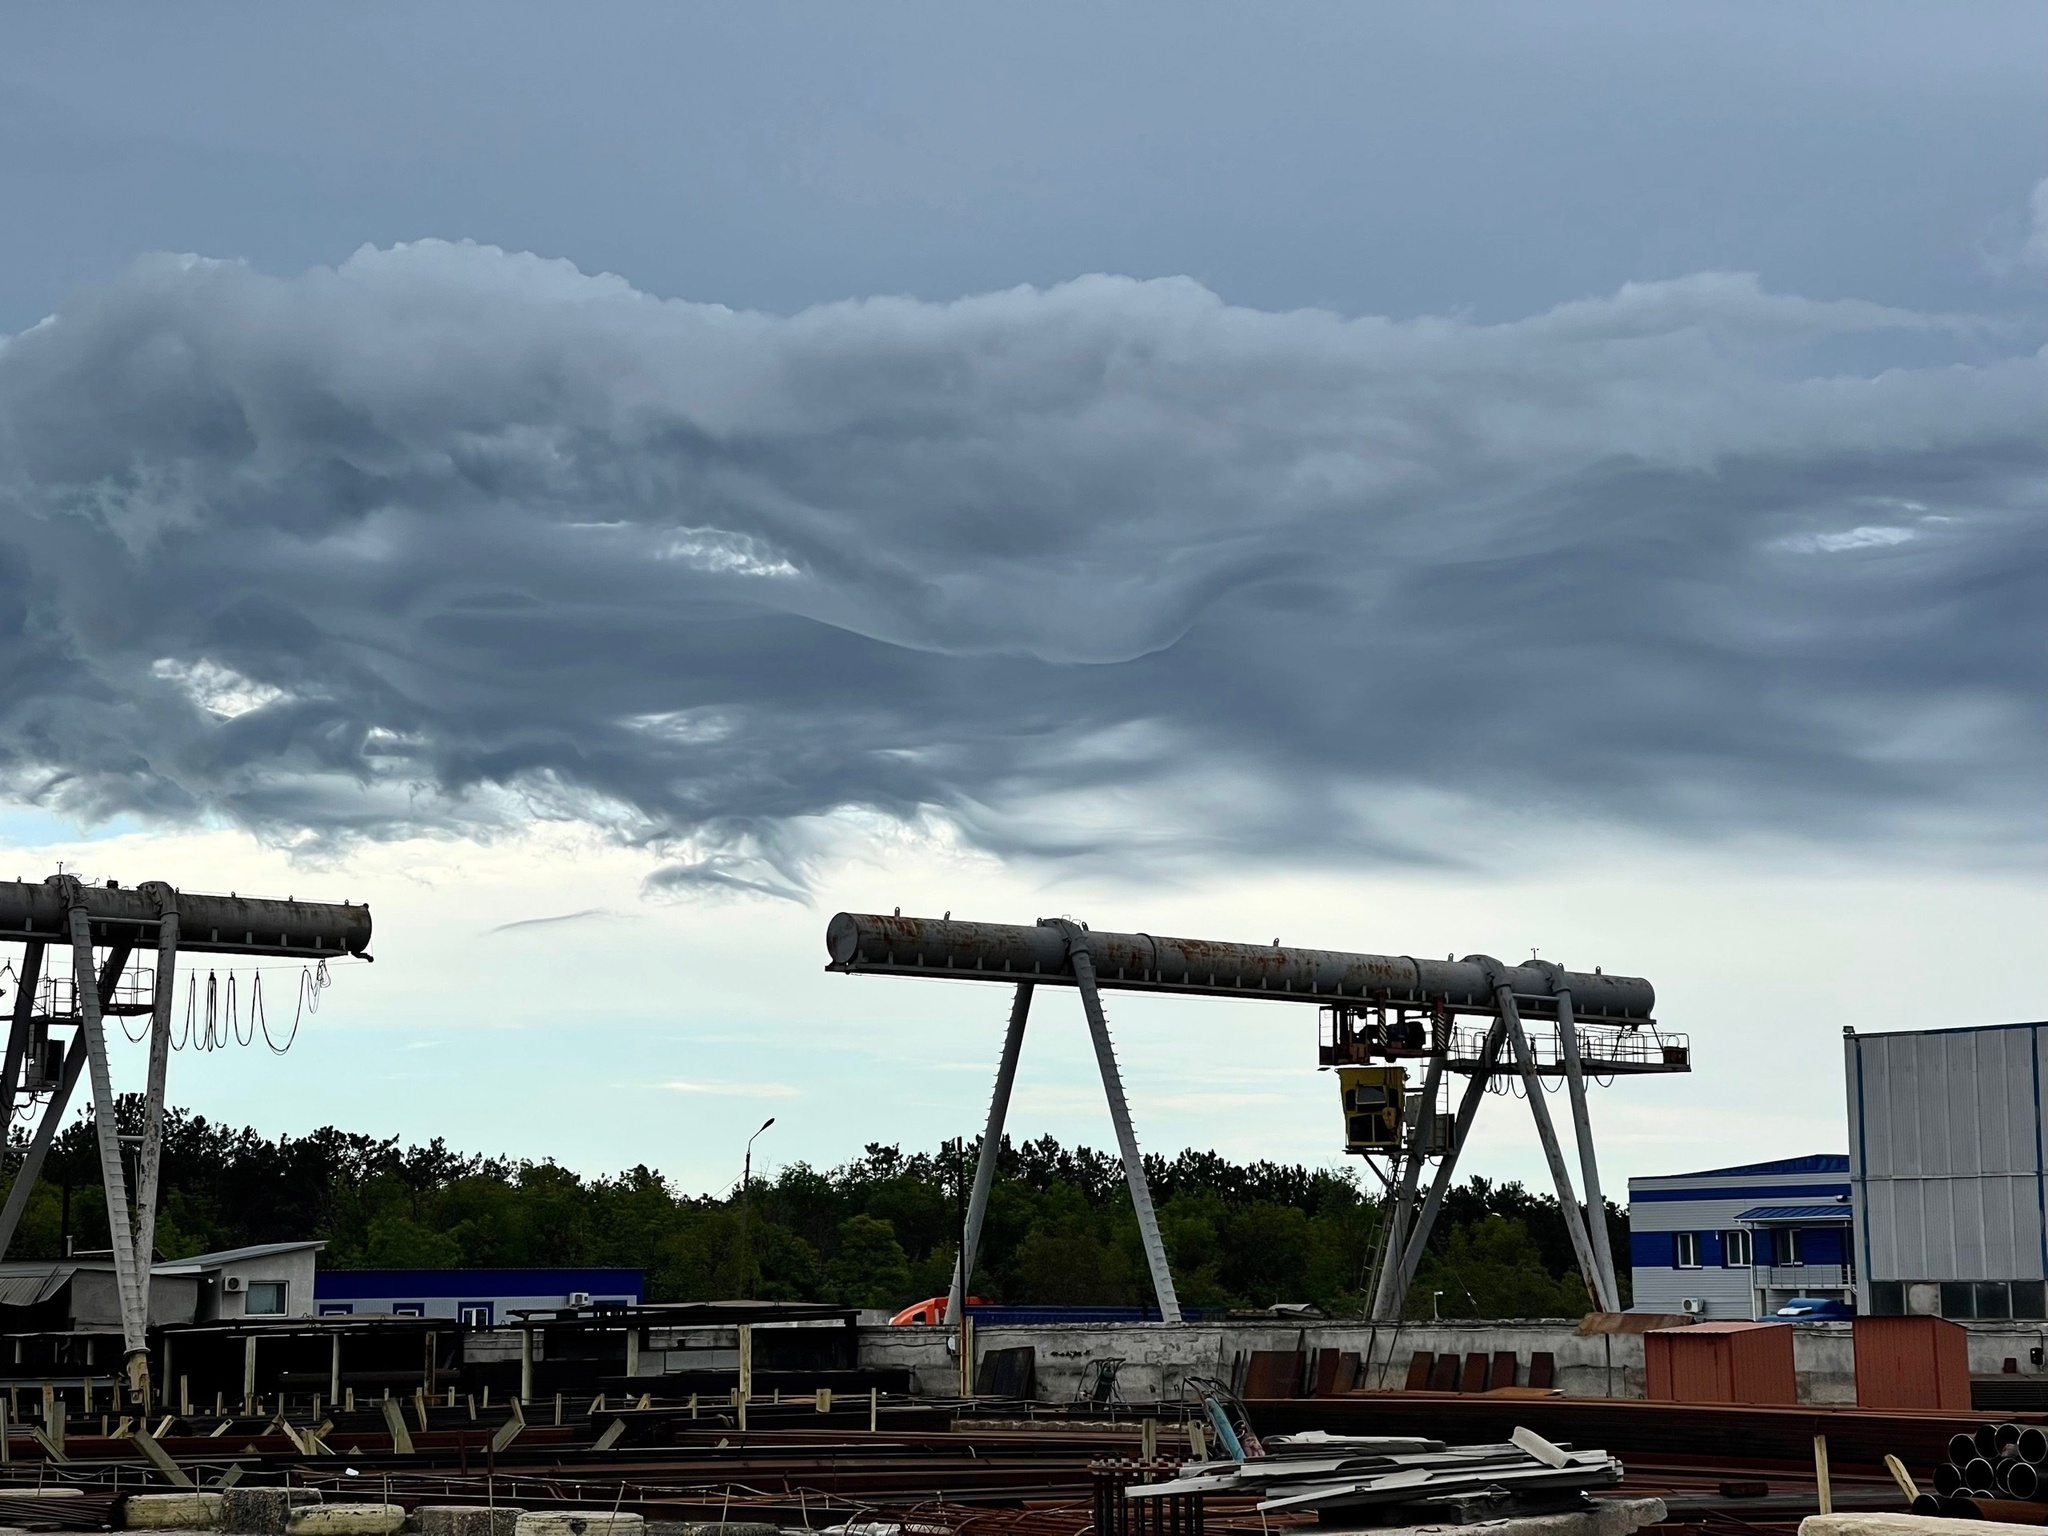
{"points": [[1731, 1243], [482, 1298]]}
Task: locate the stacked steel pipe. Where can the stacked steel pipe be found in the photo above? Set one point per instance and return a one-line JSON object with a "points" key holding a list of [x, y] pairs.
{"points": [[1999, 1472]]}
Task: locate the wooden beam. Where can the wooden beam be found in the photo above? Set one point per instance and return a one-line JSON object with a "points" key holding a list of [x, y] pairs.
{"points": [[394, 1420], [160, 1458]]}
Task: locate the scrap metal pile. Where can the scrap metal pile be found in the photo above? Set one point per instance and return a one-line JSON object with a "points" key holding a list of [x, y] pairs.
{"points": [[1406, 1479]]}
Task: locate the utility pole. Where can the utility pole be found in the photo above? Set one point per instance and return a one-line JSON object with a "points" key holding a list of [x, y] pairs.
{"points": [[746, 1186], [960, 1324]]}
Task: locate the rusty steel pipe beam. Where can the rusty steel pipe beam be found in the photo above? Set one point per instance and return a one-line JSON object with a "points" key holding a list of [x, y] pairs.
{"points": [[870, 944], [32, 911]]}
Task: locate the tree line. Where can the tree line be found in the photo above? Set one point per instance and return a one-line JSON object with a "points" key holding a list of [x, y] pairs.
{"points": [[880, 1230]]}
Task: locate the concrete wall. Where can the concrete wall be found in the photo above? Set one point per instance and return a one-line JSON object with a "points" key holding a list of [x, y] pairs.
{"points": [[1158, 1359], [294, 1268]]}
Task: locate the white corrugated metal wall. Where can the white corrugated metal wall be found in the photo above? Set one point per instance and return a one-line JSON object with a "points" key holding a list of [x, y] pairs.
{"points": [[1945, 1147]]}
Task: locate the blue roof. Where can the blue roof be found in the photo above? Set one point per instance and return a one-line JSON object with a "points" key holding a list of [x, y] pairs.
{"points": [[1836, 1212], [1817, 1162]]}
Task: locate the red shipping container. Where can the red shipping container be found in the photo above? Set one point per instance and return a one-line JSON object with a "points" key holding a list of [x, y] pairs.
{"points": [[1720, 1363], [1911, 1362]]}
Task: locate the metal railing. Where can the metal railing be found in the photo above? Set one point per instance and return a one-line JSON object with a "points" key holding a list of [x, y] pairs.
{"points": [[135, 992], [1603, 1048]]}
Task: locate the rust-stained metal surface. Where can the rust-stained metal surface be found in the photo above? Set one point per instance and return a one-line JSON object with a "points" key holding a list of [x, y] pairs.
{"points": [[233, 925], [922, 946]]}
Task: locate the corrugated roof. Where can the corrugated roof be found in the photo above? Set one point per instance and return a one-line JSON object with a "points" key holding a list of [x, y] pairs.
{"points": [[1836, 1212], [1814, 1162], [243, 1255], [24, 1288]]}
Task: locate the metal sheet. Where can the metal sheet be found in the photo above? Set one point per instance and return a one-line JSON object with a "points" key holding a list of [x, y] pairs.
{"points": [[211, 924], [1946, 1146], [25, 1290], [1008, 952]]}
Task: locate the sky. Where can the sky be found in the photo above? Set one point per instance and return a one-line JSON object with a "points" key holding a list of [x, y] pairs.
{"points": [[611, 489]]}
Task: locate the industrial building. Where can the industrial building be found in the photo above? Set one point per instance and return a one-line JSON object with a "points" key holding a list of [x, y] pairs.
{"points": [[1730, 1244], [1946, 1150], [478, 1298]]}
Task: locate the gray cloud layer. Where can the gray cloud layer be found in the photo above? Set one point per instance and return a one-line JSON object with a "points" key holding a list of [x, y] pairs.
{"points": [[448, 533]]}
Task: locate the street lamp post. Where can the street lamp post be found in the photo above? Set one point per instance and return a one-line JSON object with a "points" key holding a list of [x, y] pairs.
{"points": [[746, 1248]]}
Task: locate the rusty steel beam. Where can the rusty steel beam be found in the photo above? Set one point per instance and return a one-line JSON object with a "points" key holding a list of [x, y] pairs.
{"points": [[871, 944], [32, 911]]}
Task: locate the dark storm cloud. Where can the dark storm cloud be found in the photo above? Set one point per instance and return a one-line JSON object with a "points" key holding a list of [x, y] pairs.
{"points": [[447, 536]]}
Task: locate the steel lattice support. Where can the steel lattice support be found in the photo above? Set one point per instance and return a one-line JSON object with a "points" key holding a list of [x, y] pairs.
{"points": [[1061, 952], [1386, 1300], [1468, 1110], [118, 920]]}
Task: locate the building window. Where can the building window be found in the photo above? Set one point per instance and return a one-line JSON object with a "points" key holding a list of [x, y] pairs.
{"points": [[475, 1314], [266, 1299], [1688, 1249], [1957, 1300], [1887, 1298], [1735, 1250], [1993, 1300], [408, 1309], [2028, 1300], [337, 1308], [1788, 1245]]}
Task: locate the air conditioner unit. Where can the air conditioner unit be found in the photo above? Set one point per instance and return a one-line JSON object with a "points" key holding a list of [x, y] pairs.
{"points": [[579, 1298], [234, 1283], [1693, 1304]]}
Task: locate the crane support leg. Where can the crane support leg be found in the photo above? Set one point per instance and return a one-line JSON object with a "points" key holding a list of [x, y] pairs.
{"points": [[1468, 1109], [1386, 1302], [131, 1282], [1608, 1295], [991, 1147], [150, 1163], [1120, 1115], [1539, 1110]]}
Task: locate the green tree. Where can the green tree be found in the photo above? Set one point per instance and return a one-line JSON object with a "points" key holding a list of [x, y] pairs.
{"points": [[870, 1269], [880, 1228]]}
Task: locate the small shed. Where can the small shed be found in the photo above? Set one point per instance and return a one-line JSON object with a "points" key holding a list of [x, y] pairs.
{"points": [[1720, 1363], [1911, 1362]]}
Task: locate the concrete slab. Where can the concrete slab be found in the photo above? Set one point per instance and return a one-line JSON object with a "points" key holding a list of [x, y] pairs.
{"points": [[346, 1520], [262, 1511], [588, 1522], [1908, 1525], [1606, 1517], [467, 1520], [171, 1511]]}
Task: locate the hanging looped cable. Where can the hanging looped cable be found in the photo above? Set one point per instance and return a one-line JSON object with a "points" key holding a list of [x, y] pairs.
{"points": [[311, 984], [221, 1021]]}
